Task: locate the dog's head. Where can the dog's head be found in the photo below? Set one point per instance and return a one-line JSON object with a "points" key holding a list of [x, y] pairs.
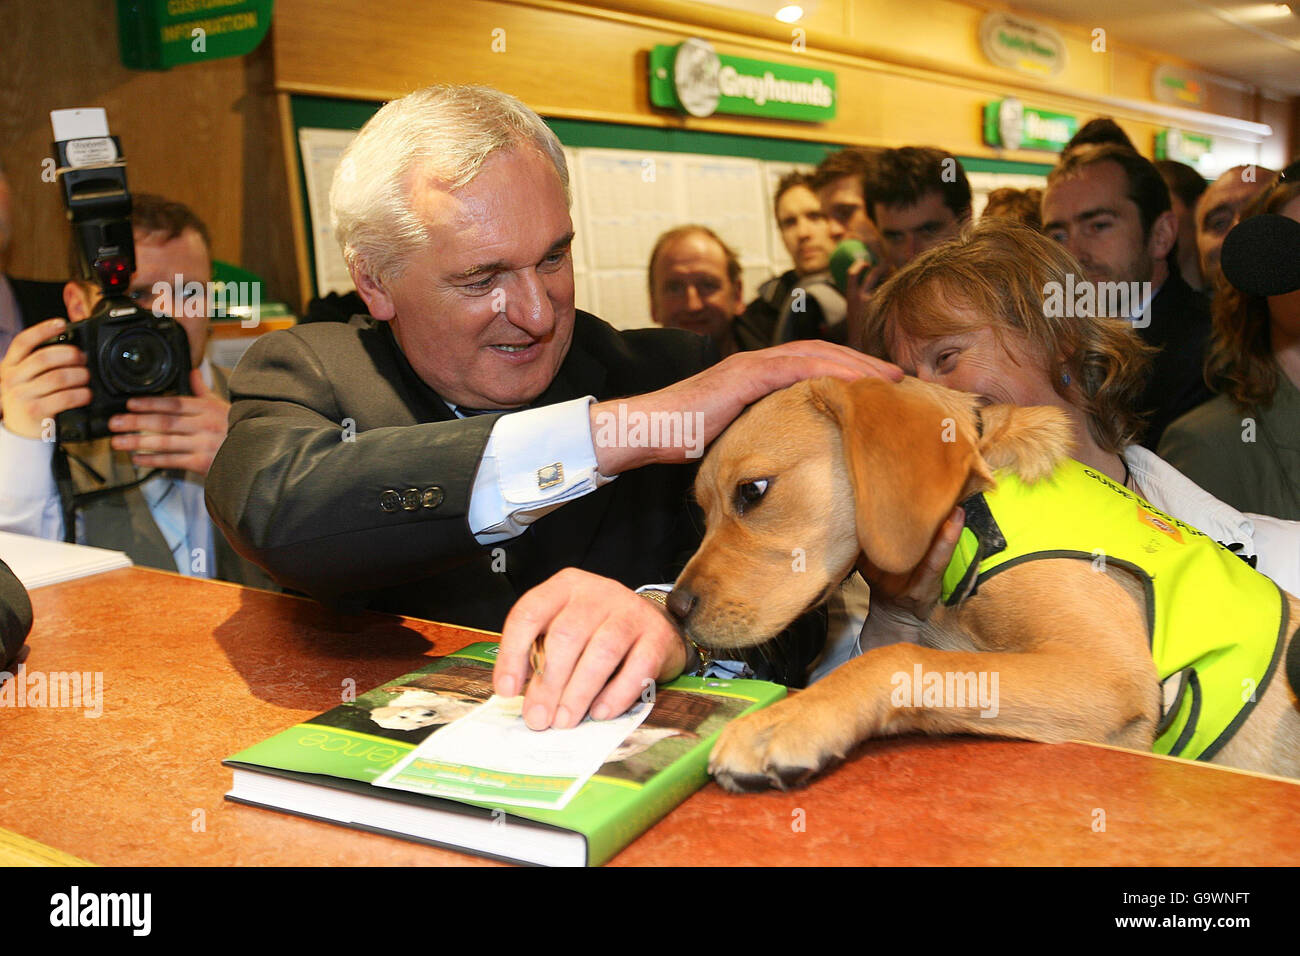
{"points": [[811, 477], [415, 707]]}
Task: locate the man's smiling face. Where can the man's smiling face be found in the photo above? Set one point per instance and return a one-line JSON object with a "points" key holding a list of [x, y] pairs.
{"points": [[484, 311]]}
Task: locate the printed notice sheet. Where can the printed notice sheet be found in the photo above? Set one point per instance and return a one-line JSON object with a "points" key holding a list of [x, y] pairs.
{"points": [[491, 755]]}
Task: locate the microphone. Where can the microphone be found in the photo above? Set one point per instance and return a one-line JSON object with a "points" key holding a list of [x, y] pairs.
{"points": [[1261, 255]]}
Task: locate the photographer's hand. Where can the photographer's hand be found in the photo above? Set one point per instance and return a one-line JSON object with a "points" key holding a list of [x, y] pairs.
{"points": [[173, 431], [38, 383]]}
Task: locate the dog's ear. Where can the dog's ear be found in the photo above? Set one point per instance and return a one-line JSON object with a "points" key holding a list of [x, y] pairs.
{"points": [[1029, 441], [911, 453]]}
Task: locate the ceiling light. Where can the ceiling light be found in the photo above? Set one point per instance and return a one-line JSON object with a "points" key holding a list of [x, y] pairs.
{"points": [[790, 14]]}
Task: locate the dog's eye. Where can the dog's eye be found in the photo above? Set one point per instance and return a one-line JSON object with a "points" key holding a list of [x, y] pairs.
{"points": [[749, 492]]}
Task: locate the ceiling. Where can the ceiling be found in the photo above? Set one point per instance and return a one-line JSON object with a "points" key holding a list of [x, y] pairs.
{"points": [[1255, 42]]}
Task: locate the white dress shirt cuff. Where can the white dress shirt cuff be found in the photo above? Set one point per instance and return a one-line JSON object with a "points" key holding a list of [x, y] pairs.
{"points": [[534, 462], [29, 500]]}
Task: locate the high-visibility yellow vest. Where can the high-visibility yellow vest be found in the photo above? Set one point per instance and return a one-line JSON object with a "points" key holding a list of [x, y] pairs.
{"points": [[1215, 625]]}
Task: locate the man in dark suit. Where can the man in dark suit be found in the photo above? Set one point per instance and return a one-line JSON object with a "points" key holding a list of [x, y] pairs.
{"points": [[481, 436]]}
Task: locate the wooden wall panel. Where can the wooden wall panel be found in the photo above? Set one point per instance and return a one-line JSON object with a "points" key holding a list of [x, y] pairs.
{"points": [[204, 134], [211, 134], [587, 61]]}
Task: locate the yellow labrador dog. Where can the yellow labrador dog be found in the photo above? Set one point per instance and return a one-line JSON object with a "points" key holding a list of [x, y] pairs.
{"points": [[815, 478]]}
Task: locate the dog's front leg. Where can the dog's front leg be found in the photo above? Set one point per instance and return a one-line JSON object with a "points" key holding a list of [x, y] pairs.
{"points": [[1053, 694]]}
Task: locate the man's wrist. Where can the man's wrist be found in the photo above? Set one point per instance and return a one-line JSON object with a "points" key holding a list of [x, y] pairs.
{"points": [[695, 660], [613, 425]]}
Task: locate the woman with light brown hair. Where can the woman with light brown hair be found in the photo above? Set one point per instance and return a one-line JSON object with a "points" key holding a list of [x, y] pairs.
{"points": [[1244, 445], [1004, 312]]}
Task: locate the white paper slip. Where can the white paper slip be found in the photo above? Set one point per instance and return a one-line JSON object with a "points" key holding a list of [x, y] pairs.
{"points": [[36, 561], [490, 755]]}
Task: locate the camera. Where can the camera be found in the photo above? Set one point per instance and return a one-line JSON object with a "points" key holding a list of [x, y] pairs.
{"points": [[130, 352]]}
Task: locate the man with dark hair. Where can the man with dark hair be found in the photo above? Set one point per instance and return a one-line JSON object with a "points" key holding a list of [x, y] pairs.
{"points": [[1185, 187], [141, 490], [695, 284], [1099, 131], [840, 183], [918, 197], [1111, 209], [801, 303]]}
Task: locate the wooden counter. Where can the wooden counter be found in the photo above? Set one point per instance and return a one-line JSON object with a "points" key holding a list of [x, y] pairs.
{"points": [[194, 671]]}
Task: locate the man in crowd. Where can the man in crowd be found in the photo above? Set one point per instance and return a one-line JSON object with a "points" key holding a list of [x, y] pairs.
{"points": [[841, 186], [480, 434], [1217, 211], [695, 284], [1097, 131], [23, 302], [816, 311], [1111, 209], [140, 491], [899, 202], [1185, 188], [917, 197]]}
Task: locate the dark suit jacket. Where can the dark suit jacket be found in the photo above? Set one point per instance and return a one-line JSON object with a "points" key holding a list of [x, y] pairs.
{"points": [[38, 300], [297, 498], [1180, 329], [15, 615]]}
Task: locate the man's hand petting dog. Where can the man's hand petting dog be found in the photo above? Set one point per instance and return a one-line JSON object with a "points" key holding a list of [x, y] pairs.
{"points": [[722, 392], [603, 643]]}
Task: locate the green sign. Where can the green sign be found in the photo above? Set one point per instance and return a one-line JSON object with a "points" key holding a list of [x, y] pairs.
{"points": [[158, 34], [693, 78], [1189, 148], [1009, 124]]}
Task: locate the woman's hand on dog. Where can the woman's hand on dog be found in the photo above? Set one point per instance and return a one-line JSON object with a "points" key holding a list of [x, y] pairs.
{"points": [[916, 592], [604, 643], [718, 394]]}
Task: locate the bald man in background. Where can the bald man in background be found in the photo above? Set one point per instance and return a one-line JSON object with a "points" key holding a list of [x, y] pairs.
{"points": [[695, 284]]}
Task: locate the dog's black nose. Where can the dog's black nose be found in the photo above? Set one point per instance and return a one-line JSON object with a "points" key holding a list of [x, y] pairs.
{"points": [[681, 602]]}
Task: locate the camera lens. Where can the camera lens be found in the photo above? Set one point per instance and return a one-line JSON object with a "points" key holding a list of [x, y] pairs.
{"points": [[138, 361]]}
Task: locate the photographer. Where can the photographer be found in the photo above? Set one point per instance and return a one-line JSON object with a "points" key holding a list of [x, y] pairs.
{"points": [[152, 468]]}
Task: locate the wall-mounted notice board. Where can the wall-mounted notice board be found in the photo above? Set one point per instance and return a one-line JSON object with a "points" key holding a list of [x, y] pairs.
{"points": [[629, 184]]}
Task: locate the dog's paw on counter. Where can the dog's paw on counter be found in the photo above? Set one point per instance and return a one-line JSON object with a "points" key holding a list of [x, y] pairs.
{"points": [[784, 746]]}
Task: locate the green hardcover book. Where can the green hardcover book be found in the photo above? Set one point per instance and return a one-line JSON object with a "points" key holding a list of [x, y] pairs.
{"points": [[325, 768]]}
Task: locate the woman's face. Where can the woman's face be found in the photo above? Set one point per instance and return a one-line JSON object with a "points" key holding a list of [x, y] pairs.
{"points": [[1009, 372]]}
